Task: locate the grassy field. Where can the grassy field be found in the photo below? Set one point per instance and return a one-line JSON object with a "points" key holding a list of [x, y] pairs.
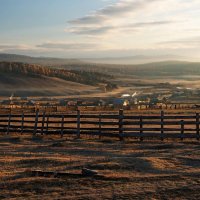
{"points": [[132, 170], [41, 86]]}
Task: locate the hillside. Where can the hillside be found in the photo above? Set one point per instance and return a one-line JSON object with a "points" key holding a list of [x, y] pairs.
{"points": [[155, 69], [164, 68], [134, 59], [37, 60], [85, 77], [30, 79], [22, 85]]}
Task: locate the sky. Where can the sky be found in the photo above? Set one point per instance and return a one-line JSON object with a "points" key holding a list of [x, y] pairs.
{"points": [[100, 28]]}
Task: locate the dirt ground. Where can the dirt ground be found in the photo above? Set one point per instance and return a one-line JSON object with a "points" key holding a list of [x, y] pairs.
{"points": [[132, 169]]}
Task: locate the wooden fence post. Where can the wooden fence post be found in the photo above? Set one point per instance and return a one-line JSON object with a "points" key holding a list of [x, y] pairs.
{"points": [[36, 122], [162, 126], [22, 125], [43, 121], [182, 129], [100, 126], [121, 117], [62, 125], [78, 123], [197, 125], [47, 124], [9, 121], [141, 127]]}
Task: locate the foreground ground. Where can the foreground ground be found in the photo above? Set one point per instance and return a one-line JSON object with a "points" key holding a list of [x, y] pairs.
{"points": [[133, 170]]}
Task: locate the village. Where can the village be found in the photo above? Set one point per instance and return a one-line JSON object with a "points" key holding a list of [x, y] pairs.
{"points": [[137, 98]]}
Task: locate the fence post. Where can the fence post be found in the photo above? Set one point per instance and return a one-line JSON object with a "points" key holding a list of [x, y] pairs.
{"points": [[100, 126], [36, 122], [121, 117], [141, 129], [22, 125], [162, 125], [62, 125], [197, 125], [43, 121], [78, 123], [47, 124], [9, 121], [182, 130]]}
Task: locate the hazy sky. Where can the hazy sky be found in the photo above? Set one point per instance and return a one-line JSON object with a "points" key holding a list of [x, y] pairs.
{"points": [[100, 28]]}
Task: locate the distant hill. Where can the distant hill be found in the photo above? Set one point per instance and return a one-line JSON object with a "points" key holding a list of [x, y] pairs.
{"points": [[163, 68], [32, 79], [37, 60], [89, 78], [154, 69], [132, 60]]}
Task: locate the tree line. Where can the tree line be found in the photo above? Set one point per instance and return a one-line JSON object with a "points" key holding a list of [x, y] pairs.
{"points": [[79, 76]]}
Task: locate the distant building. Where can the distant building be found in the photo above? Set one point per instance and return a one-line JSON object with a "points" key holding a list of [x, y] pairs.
{"points": [[118, 102], [30, 103], [102, 103], [126, 95], [6, 102], [72, 103], [121, 102], [126, 103], [62, 102], [24, 98]]}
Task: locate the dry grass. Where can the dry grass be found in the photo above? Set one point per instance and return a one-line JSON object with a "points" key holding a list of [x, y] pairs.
{"points": [[135, 170]]}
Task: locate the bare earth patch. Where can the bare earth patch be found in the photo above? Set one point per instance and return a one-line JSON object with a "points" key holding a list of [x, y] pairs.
{"points": [[132, 170]]}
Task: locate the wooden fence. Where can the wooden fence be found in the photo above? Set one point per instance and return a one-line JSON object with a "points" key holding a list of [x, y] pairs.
{"points": [[119, 125], [56, 108]]}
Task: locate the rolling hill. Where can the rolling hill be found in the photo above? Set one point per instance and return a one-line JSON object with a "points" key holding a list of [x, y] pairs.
{"points": [[164, 68], [37, 60], [76, 77], [36, 80]]}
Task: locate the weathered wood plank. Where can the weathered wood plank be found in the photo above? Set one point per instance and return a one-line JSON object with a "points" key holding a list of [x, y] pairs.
{"points": [[105, 116], [159, 122], [102, 123], [154, 117], [154, 135]]}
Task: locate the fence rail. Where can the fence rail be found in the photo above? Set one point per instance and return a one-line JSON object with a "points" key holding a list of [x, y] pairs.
{"points": [[110, 125]]}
